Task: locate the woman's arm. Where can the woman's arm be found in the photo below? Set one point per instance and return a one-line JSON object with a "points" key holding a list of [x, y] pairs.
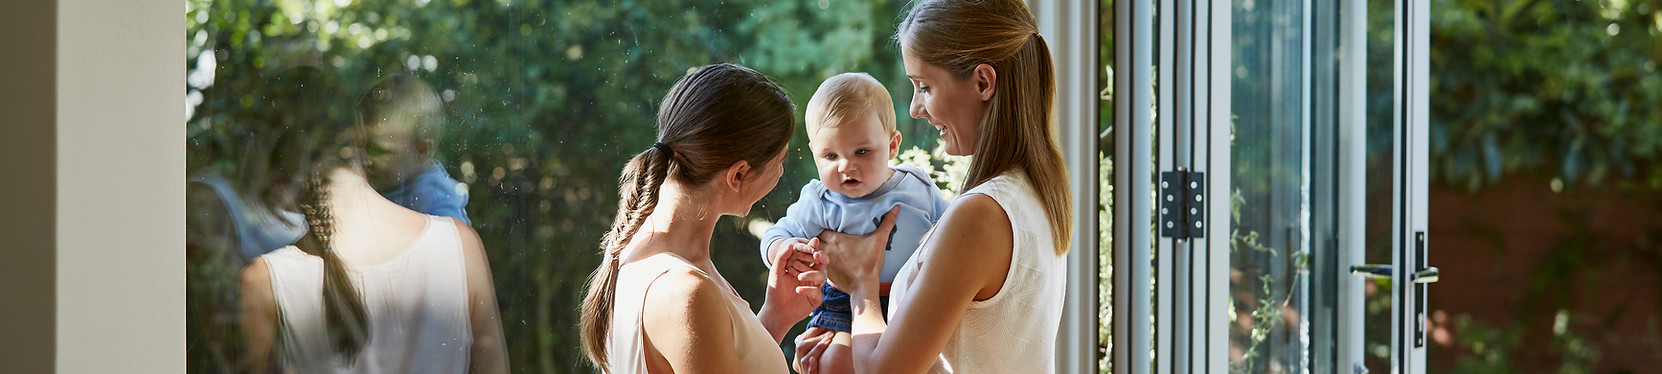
{"points": [[687, 325], [489, 353], [259, 315], [965, 260]]}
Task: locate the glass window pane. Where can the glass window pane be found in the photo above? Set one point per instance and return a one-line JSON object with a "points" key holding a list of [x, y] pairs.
{"points": [[541, 103], [1105, 188], [1268, 261]]}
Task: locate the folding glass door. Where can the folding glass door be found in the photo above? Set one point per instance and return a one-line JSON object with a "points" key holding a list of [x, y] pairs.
{"points": [[1253, 144]]}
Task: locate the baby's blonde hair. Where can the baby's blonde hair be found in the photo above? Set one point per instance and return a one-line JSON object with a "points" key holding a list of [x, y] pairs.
{"points": [[846, 96], [404, 100]]}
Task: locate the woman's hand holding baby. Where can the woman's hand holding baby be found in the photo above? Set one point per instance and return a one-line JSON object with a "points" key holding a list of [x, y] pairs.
{"points": [[854, 262]]}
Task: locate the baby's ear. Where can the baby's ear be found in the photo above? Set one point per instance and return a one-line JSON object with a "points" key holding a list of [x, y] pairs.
{"points": [[425, 147], [894, 144]]}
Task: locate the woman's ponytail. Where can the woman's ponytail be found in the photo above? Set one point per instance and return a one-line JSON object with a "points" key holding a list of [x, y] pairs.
{"points": [[343, 309], [638, 186], [713, 117]]}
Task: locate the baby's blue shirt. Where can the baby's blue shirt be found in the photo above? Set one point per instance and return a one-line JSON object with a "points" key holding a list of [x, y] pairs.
{"points": [[819, 209], [433, 193]]}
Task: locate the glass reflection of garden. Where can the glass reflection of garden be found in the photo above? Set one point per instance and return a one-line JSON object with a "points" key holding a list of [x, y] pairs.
{"points": [[545, 101]]}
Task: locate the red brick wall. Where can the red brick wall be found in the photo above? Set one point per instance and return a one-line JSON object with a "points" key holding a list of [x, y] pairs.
{"points": [[1501, 246]]}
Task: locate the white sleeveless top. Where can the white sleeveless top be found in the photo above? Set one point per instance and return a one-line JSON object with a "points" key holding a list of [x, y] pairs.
{"points": [[1015, 330], [626, 345], [416, 303]]}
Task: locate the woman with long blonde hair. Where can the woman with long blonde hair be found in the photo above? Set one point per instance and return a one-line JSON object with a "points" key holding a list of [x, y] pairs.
{"points": [[985, 291]]}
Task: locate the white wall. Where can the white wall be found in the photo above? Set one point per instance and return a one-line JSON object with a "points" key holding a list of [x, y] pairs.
{"points": [[93, 153]]}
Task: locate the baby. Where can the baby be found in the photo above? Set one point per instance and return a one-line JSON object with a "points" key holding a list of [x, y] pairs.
{"points": [[851, 132], [403, 117]]}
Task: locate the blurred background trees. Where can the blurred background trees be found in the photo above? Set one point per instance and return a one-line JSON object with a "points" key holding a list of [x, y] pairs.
{"points": [[1546, 127], [1568, 89]]}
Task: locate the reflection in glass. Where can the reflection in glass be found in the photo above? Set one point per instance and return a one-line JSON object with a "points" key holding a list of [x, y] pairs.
{"points": [[1105, 189], [542, 103], [1268, 258]]}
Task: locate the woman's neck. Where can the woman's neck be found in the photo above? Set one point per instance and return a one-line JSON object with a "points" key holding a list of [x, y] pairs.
{"points": [[350, 193], [354, 205], [368, 228], [682, 223]]}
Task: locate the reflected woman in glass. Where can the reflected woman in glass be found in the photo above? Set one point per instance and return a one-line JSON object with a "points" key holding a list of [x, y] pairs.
{"points": [[656, 304], [985, 291], [372, 287]]}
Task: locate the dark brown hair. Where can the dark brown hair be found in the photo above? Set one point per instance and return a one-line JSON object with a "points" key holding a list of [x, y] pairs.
{"points": [[1016, 134], [713, 117]]}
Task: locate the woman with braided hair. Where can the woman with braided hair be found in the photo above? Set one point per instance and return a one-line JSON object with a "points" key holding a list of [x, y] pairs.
{"points": [[372, 286], [656, 304]]}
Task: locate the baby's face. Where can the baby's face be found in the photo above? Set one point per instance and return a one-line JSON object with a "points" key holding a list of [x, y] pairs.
{"points": [[393, 154], [852, 154]]}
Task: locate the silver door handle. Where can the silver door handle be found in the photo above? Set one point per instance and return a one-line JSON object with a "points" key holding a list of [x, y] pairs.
{"points": [[1426, 275], [1371, 271]]}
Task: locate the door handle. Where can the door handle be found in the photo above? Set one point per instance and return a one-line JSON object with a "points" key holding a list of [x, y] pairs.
{"points": [[1372, 271], [1426, 275]]}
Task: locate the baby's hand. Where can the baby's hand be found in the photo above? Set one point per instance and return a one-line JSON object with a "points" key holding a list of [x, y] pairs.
{"points": [[782, 245], [794, 280], [799, 257]]}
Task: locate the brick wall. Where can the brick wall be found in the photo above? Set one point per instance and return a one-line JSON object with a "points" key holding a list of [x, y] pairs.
{"points": [[1512, 253]]}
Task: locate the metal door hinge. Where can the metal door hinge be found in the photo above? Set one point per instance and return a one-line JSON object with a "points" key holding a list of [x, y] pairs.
{"points": [[1182, 204]]}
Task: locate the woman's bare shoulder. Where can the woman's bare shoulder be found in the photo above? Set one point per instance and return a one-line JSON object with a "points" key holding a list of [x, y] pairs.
{"points": [[685, 317], [975, 240], [976, 218]]}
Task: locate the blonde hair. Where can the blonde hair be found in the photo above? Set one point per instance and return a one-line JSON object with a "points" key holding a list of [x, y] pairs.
{"points": [[846, 96], [405, 100], [713, 117], [1017, 132]]}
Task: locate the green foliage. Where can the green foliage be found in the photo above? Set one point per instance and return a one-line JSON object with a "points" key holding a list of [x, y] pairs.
{"points": [[1268, 303], [546, 101], [945, 169], [1105, 262], [1565, 88], [1495, 349]]}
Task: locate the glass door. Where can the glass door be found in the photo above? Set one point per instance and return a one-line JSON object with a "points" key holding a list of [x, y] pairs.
{"points": [[1303, 169], [1287, 160]]}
